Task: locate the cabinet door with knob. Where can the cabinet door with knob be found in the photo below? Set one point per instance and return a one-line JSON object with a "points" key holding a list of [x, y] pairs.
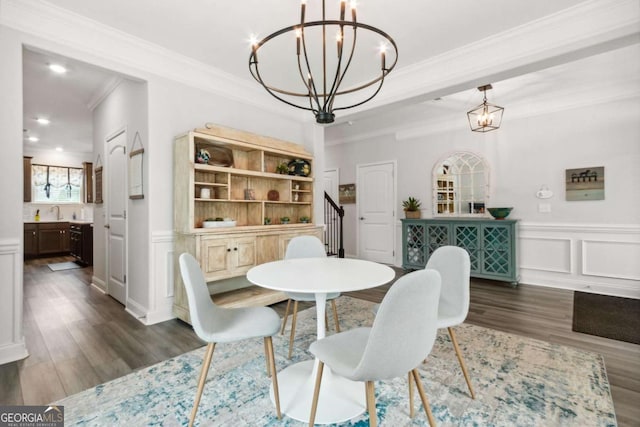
{"points": [[53, 238], [227, 256], [30, 240]]}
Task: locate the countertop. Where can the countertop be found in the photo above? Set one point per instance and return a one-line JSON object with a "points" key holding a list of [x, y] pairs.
{"points": [[72, 221]]}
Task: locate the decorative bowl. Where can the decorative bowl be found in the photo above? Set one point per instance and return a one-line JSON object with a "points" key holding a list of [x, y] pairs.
{"points": [[299, 167], [499, 213]]}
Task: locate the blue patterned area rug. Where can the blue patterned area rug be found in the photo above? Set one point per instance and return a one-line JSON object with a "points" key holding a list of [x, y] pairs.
{"points": [[518, 382]]}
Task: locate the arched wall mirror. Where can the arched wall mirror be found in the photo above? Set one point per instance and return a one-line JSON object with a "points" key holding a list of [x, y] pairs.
{"points": [[460, 185]]}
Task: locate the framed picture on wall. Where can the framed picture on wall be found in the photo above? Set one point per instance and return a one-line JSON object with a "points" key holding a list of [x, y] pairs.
{"points": [[98, 181], [346, 194], [585, 183]]}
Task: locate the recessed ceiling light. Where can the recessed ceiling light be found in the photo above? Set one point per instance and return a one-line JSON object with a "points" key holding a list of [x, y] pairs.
{"points": [[33, 139], [43, 121], [59, 149], [57, 68]]}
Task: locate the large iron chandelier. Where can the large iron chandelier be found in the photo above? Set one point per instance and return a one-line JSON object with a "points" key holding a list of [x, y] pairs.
{"points": [[317, 87], [486, 116]]}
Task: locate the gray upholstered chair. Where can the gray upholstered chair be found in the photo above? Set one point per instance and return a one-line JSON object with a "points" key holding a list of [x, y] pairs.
{"points": [[453, 265], [402, 334], [305, 247], [215, 324]]}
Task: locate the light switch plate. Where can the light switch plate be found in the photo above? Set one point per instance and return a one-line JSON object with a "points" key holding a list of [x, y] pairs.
{"points": [[544, 207]]}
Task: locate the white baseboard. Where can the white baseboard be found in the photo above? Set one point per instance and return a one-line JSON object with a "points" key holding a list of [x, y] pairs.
{"points": [[159, 316], [581, 284], [13, 352], [136, 310], [99, 284]]}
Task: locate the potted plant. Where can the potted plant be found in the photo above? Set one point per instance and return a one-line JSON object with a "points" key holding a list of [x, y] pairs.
{"points": [[285, 220], [411, 207], [267, 220], [305, 219], [282, 169]]}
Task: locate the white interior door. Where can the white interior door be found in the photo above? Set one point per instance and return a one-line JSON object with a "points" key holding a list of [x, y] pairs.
{"points": [[331, 179], [376, 200], [117, 217]]}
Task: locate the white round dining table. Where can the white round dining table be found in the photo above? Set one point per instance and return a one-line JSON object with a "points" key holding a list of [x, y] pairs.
{"points": [[340, 399]]}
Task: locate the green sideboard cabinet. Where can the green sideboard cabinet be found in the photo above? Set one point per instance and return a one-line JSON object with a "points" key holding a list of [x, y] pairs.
{"points": [[491, 244]]}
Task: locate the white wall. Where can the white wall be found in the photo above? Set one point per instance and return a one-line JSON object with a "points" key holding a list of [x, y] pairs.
{"points": [[173, 108], [12, 345], [524, 154], [125, 108]]}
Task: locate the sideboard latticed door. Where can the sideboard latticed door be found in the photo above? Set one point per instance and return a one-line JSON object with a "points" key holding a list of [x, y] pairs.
{"points": [[491, 244]]}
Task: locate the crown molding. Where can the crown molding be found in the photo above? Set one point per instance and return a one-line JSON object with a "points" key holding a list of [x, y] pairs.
{"points": [[101, 94], [586, 29], [590, 27], [125, 52], [533, 107]]}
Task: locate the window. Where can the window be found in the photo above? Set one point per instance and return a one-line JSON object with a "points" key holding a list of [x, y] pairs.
{"points": [[460, 185], [56, 184]]}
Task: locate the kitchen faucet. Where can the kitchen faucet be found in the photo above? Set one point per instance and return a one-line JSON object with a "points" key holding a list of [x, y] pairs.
{"points": [[58, 217]]}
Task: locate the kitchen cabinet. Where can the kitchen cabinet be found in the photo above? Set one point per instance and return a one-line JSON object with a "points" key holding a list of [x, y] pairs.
{"points": [[87, 181], [81, 242], [30, 240], [491, 244], [53, 238]]}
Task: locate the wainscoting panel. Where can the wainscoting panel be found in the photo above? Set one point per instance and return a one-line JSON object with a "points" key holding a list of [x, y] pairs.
{"points": [[161, 281], [587, 257], [12, 345], [546, 254], [606, 258]]}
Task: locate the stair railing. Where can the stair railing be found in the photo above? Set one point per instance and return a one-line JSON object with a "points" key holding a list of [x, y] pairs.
{"points": [[333, 215]]}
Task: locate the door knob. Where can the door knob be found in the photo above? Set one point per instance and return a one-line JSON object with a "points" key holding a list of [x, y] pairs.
{"points": [[107, 226], [361, 218]]}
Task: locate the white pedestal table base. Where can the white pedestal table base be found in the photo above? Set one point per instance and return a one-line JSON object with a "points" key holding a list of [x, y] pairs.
{"points": [[340, 399]]}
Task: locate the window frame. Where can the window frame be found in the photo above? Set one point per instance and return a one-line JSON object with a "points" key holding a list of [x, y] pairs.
{"points": [[79, 189]]}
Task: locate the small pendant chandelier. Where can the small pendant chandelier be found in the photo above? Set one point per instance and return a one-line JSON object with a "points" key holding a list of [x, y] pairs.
{"points": [[322, 61], [486, 116]]}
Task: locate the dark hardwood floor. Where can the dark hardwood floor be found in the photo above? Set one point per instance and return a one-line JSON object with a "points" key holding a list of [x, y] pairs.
{"points": [[78, 338]]}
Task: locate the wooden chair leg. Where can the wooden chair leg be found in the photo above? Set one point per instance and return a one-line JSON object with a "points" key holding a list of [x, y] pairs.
{"points": [[461, 360], [411, 410], [316, 394], [293, 327], [266, 358], [371, 404], [335, 315], [286, 317], [269, 354], [423, 397], [326, 321], [206, 362]]}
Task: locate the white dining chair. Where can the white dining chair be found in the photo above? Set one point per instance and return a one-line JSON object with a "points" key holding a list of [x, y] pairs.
{"points": [[305, 247], [214, 324], [453, 264], [403, 332]]}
